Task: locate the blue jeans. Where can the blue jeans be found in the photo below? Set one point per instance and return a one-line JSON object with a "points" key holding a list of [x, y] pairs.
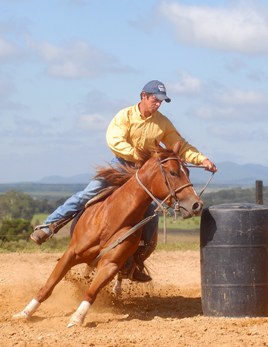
{"points": [[77, 202]]}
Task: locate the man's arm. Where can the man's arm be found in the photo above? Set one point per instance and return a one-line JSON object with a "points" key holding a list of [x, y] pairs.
{"points": [[117, 135]]}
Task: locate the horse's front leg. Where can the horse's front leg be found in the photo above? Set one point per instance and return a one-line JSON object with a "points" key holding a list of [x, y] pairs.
{"points": [[60, 270], [108, 266], [105, 273]]}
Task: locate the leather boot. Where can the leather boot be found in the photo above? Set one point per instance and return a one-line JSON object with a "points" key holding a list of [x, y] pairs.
{"points": [[134, 272], [45, 231]]}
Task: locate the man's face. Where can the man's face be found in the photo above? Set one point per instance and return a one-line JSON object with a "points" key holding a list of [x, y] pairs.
{"points": [[151, 103]]}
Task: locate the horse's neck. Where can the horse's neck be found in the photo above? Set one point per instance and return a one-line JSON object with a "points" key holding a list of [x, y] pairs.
{"points": [[131, 197]]}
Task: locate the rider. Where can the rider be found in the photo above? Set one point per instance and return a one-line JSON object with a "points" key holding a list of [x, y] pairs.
{"points": [[136, 127]]}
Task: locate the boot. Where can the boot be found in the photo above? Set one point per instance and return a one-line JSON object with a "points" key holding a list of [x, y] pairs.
{"points": [[46, 231], [41, 234], [134, 272], [140, 276]]}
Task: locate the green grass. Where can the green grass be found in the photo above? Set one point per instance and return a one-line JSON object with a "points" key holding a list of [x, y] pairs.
{"points": [[180, 223], [171, 223], [178, 240], [54, 245], [181, 234], [174, 241], [38, 218]]}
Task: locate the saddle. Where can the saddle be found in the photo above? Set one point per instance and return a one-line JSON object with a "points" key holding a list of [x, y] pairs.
{"points": [[102, 195]]}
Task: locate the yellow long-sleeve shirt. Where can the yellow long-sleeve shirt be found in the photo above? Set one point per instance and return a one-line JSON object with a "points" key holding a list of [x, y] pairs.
{"points": [[129, 130]]}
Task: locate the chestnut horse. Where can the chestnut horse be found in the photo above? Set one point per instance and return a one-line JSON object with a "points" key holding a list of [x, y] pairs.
{"points": [[163, 177]]}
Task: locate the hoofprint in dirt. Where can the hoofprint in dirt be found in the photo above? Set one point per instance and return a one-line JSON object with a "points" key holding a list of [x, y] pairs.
{"points": [[166, 312]]}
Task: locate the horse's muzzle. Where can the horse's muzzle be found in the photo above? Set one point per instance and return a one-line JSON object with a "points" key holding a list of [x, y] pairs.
{"points": [[191, 209]]}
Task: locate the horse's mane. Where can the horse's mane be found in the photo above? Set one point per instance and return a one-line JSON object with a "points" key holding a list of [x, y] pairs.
{"points": [[117, 176]]}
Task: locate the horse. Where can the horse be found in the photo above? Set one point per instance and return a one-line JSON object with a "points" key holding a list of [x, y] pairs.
{"points": [[102, 236]]}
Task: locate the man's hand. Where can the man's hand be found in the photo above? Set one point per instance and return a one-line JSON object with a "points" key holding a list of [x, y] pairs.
{"points": [[209, 166]]}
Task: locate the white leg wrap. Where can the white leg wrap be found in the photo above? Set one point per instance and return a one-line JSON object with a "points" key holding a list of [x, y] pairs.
{"points": [[28, 311], [117, 289], [79, 315]]}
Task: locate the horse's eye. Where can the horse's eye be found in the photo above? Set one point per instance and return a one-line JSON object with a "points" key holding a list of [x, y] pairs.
{"points": [[173, 173]]}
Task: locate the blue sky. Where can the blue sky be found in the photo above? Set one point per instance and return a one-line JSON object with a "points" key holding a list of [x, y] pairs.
{"points": [[68, 66]]}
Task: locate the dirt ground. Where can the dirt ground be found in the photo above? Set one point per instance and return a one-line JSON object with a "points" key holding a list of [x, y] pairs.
{"points": [[166, 312]]}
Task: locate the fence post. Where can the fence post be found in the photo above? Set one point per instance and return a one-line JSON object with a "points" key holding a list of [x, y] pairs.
{"points": [[165, 228], [259, 192]]}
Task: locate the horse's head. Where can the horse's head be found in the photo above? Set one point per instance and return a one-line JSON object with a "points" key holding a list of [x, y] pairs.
{"points": [[169, 182]]}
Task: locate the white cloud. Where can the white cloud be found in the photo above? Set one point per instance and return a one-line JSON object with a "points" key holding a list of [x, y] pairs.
{"points": [[77, 60], [233, 105], [7, 92], [241, 97], [92, 122], [187, 85], [235, 65], [7, 49], [257, 75], [20, 127], [98, 102], [214, 112], [241, 27], [238, 134]]}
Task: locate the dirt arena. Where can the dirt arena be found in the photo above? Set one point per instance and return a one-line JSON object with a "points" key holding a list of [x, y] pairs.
{"points": [[166, 312]]}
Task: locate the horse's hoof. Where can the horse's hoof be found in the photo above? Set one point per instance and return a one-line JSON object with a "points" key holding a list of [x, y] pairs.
{"points": [[21, 315], [75, 321]]}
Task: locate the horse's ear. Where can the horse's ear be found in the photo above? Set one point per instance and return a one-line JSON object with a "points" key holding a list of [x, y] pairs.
{"points": [[176, 148]]}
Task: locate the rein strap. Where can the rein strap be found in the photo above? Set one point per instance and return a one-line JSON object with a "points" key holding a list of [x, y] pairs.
{"points": [[122, 238]]}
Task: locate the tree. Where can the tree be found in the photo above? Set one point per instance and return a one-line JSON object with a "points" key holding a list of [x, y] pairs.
{"points": [[15, 229], [14, 204]]}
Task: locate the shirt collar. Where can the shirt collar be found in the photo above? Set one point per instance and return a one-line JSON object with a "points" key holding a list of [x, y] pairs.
{"points": [[137, 111]]}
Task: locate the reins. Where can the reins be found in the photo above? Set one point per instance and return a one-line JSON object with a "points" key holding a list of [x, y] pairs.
{"points": [[201, 167], [123, 237]]}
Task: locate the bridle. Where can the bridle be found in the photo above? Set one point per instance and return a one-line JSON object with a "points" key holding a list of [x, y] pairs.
{"points": [[172, 192]]}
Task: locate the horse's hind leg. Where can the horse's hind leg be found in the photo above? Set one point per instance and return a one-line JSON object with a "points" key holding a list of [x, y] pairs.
{"points": [[117, 288], [60, 270]]}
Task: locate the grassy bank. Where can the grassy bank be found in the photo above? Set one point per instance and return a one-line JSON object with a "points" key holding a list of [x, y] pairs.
{"points": [[179, 235], [171, 241]]}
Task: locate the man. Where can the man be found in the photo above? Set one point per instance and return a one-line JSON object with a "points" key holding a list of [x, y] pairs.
{"points": [[136, 127]]}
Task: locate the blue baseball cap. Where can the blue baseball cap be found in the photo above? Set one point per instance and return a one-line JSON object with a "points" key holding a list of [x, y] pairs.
{"points": [[158, 89]]}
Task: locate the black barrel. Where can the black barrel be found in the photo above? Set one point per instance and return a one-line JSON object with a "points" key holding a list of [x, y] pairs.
{"points": [[234, 260]]}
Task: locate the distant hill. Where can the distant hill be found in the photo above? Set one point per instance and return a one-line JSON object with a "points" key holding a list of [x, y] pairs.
{"points": [[82, 178], [229, 173]]}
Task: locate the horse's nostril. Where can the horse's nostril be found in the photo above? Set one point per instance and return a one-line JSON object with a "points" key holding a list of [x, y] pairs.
{"points": [[197, 207]]}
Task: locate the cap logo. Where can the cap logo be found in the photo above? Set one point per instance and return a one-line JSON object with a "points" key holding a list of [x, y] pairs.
{"points": [[161, 88]]}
